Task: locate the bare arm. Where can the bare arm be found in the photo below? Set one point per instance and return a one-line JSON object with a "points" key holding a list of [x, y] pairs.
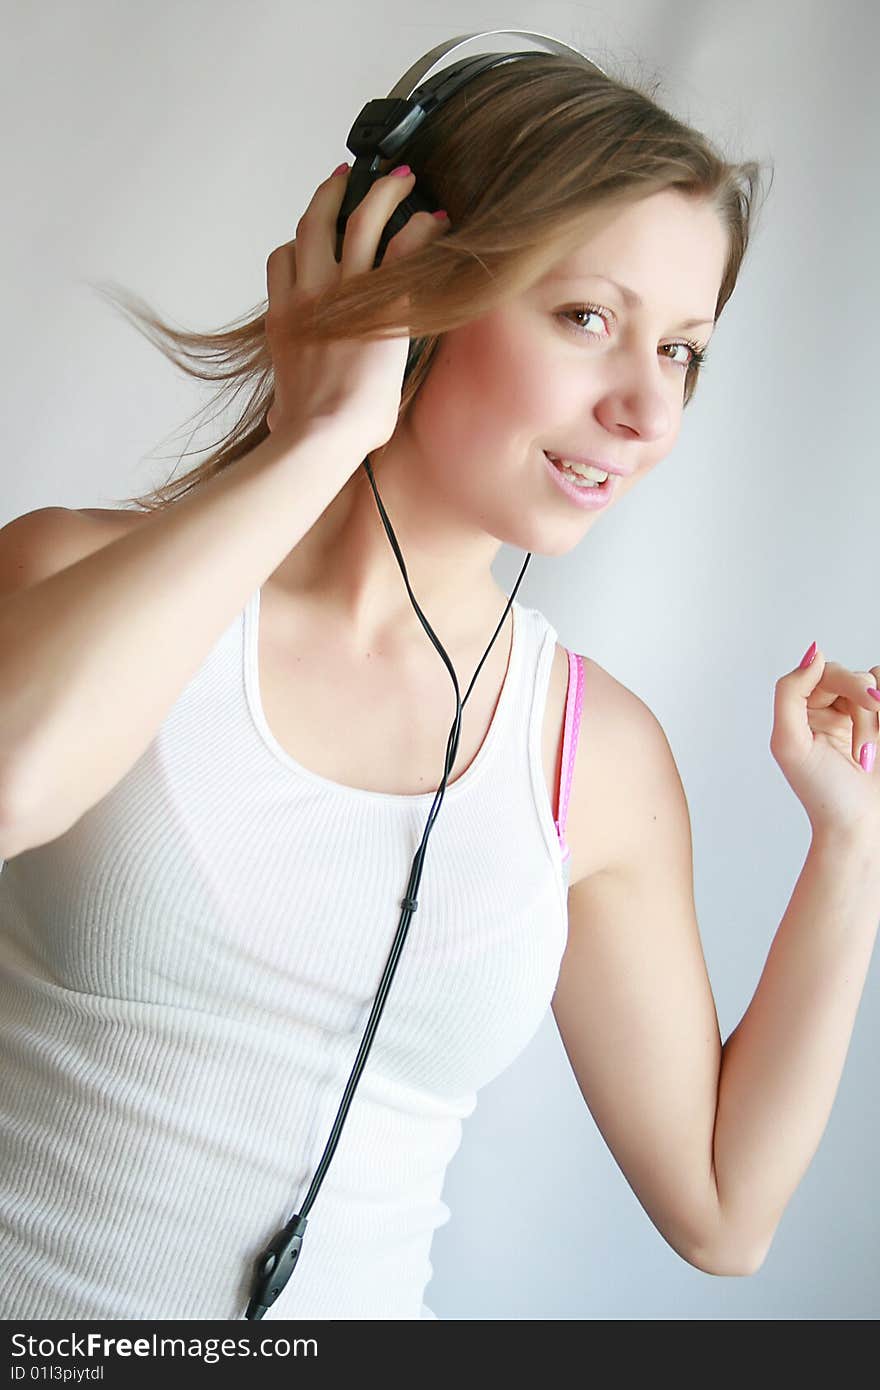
{"points": [[633, 1002], [93, 657], [712, 1139]]}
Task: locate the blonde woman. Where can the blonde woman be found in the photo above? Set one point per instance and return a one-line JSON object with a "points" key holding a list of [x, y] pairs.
{"points": [[221, 727]]}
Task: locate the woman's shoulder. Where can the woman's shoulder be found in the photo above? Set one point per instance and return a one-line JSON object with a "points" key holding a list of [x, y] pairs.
{"points": [[39, 543], [90, 529], [597, 811]]}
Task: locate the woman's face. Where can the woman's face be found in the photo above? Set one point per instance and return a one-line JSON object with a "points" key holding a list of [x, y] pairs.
{"points": [[537, 374]]}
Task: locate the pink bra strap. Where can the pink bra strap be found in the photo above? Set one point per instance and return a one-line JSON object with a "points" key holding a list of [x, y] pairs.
{"points": [[573, 706]]}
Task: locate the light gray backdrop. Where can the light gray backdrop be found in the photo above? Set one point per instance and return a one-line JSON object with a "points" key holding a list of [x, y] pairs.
{"points": [[170, 148]]}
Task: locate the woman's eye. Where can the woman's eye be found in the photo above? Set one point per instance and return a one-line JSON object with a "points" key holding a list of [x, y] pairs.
{"points": [[683, 361], [588, 312]]}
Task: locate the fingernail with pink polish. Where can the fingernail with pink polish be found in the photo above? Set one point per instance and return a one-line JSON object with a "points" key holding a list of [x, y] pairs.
{"points": [[808, 656], [867, 755], [873, 692]]}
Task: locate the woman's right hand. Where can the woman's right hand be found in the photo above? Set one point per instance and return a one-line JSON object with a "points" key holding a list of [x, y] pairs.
{"points": [[352, 380]]}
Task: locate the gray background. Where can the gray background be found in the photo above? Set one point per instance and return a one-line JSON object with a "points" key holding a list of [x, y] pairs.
{"points": [[170, 148]]}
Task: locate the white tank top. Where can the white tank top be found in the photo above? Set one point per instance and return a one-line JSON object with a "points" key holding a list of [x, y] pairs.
{"points": [[186, 975]]}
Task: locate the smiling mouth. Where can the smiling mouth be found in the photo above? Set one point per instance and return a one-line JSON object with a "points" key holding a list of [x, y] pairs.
{"points": [[578, 479]]}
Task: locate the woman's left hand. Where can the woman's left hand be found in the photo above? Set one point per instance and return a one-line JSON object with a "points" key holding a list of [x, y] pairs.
{"points": [[822, 715]]}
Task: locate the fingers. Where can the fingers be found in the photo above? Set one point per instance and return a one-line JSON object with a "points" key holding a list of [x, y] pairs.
{"points": [[417, 231], [791, 735], [842, 692], [316, 264], [315, 242], [367, 222], [866, 717], [307, 261]]}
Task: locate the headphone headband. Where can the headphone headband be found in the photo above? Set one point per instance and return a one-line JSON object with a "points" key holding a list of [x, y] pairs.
{"points": [[385, 124], [407, 84]]}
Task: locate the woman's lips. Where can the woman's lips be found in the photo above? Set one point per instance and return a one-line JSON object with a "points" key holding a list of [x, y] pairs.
{"points": [[585, 497]]}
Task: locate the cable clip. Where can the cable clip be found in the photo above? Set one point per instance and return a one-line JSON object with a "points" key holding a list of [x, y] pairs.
{"points": [[275, 1266]]}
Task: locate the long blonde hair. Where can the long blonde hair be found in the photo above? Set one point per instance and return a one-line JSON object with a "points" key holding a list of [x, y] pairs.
{"points": [[521, 157]]}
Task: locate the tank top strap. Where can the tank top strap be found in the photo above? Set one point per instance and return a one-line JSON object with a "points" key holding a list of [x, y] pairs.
{"points": [[552, 803], [573, 708]]}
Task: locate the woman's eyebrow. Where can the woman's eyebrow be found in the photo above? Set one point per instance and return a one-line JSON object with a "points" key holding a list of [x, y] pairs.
{"points": [[630, 296]]}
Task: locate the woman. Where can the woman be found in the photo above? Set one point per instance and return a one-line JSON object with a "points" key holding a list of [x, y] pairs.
{"points": [[222, 730]]}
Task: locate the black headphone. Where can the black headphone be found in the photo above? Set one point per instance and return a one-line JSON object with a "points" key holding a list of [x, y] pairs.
{"points": [[380, 130]]}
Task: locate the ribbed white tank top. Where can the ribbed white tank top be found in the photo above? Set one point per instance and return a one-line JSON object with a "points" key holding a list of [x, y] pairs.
{"points": [[186, 975]]}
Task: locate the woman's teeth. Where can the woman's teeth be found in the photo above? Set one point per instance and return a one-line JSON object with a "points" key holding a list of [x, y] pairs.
{"points": [[582, 474]]}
